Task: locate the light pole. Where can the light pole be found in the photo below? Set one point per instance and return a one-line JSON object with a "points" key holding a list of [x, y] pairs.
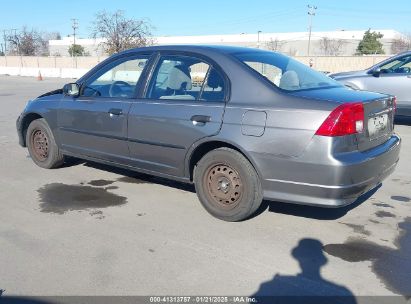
{"points": [[311, 13], [258, 39]]}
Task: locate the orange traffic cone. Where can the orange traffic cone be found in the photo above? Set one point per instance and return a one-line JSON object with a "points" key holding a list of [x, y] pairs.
{"points": [[39, 77]]}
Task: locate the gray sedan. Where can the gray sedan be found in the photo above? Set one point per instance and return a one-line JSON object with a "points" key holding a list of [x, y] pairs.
{"points": [[242, 124], [391, 76]]}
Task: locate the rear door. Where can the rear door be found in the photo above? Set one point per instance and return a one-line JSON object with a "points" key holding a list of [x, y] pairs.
{"points": [[183, 102], [95, 123]]}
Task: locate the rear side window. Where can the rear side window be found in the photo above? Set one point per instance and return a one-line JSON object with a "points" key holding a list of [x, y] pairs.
{"points": [[186, 78], [285, 72]]}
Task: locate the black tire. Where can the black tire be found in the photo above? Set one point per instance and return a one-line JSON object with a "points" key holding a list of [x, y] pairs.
{"points": [[227, 185], [42, 146]]}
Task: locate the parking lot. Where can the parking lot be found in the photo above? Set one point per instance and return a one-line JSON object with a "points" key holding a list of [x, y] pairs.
{"points": [[88, 229]]}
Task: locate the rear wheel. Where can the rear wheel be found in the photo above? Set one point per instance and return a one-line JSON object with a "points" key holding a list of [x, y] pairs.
{"points": [[42, 146], [227, 185]]}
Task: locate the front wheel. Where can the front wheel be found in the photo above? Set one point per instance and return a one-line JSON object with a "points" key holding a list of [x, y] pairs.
{"points": [[227, 185], [42, 146]]}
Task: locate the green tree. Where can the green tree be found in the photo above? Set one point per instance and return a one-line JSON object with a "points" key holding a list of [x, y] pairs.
{"points": [[370, 43], [76, 50]]}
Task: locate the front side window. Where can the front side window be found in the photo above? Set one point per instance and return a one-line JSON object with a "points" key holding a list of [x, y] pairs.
{"points": [[119, 80], [398, 66], [186, 78], [285, 72]]}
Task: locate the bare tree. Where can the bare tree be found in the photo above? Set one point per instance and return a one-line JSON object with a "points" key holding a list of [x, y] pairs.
{"points": [[274, 45], [401, 44], [332, 47], [51, 36], [45, 38], [121, 33], [27, 43]]}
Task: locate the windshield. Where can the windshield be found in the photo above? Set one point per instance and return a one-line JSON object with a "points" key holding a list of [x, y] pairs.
{"points": [[284, 72]]}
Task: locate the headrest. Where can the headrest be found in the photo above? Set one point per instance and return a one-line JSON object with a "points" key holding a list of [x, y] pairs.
{"points": [[179, 78], [289, 81], [214, 80]]}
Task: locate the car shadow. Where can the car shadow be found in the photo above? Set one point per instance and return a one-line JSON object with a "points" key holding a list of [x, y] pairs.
{"points": [[308, 286], [318, 213], [402, 120], [312, 212], [140, 178], [72, 162]]}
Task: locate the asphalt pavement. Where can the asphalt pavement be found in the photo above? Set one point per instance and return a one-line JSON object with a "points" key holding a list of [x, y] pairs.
{"points": [[88, 229]]}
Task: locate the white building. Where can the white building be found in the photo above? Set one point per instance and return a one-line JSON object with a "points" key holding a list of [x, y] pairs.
{"points": [[337, 43]]}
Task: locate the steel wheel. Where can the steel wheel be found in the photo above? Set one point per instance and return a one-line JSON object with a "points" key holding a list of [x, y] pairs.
{"points": [[224, 185], [227, 185], [40, 143]]}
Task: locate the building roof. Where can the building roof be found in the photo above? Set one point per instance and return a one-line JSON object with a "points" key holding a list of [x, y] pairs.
{"points": [[242, 38]]}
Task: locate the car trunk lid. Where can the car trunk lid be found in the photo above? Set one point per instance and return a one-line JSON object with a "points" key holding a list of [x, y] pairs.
{"points": [[378, 122], [379, 110]]}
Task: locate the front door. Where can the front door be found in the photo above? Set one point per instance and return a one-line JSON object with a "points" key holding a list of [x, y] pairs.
{"points": [[95, 123], [183, 103], [394, 79]]}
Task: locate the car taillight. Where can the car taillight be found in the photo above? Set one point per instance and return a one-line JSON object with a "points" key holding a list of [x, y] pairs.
{"points": [[346, 119]]}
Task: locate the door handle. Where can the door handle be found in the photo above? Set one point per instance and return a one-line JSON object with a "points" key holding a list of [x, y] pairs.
{"points": [[115, 112], [200, 120]]}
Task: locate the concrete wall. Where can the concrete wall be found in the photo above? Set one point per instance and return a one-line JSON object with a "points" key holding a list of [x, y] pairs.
{"points": [[67, 67], [341, 63], [50, 62], [64, 67]]}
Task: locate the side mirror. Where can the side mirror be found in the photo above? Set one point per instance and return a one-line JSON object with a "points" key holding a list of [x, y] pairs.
{"points": [[71, 89], [376, 72]]}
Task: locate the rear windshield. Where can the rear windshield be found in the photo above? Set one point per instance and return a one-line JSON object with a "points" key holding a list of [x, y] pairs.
{"points": [[284, 72]]}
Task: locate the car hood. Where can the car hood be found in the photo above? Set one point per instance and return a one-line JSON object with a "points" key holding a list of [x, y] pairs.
{"points": [[348, 74], [54, 92], [338, 94]]}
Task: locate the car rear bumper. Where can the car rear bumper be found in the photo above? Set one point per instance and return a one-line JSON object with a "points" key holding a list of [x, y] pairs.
{"points": [[333, 181]]}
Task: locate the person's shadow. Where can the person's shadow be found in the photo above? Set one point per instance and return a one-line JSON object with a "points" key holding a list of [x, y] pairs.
{"points": [[308, 286]]}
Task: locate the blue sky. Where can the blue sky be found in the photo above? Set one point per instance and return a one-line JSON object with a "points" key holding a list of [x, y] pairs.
{"points": [[182, 17]]}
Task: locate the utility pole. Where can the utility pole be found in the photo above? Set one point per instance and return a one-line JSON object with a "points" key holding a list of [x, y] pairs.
{"points": [[258, 39], [5, 41], [5, 45], [17, 42], [13, 38], [311, 13], [74, 26]]}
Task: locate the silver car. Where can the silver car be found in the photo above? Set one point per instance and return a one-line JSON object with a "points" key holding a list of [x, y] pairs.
{"points": [[391, 76], [242, 124]]}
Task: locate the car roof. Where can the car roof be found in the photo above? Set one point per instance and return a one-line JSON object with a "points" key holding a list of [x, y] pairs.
{"points": [[227, 49]]}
